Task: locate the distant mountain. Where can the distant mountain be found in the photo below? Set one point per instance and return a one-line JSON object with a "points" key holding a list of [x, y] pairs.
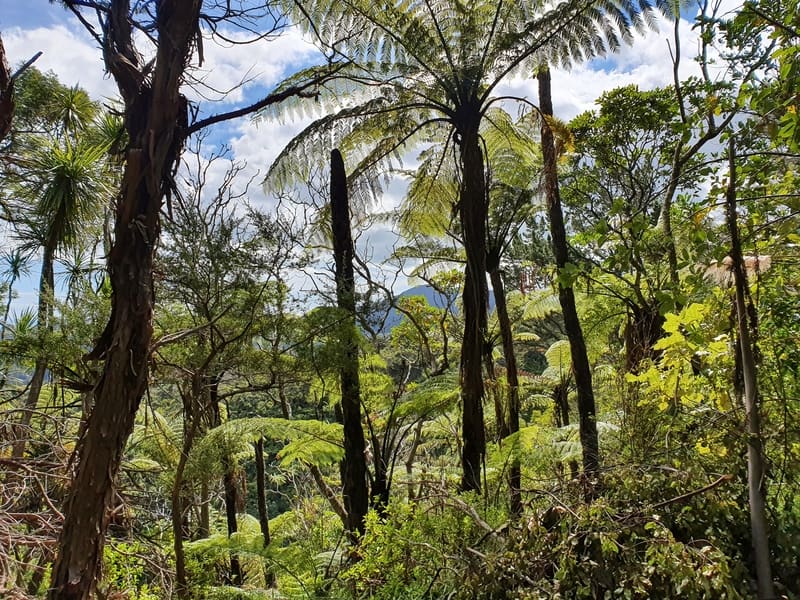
{"points": [[433, 297]]}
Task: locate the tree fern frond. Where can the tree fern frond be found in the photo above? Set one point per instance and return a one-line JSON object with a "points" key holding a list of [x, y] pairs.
{"points": [[540, 304], [308, 441], [433, 396]]}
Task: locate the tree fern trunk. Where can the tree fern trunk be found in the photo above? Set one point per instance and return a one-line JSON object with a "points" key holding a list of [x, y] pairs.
{"points": [[473, 211], [566, 295], [512, 379], [354, 471]]}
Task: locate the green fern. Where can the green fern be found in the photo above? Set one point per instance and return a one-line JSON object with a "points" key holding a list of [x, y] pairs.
{"points": [[308, 441]]}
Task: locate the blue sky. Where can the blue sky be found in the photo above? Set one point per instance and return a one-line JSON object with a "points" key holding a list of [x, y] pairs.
{"points": [[28, 26]]}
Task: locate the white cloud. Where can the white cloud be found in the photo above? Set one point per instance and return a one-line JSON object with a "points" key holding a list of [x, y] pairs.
{"points": [[259, 65], [70, 54]]}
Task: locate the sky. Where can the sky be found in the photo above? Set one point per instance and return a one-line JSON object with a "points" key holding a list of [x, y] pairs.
{"points": [[29, 26]]}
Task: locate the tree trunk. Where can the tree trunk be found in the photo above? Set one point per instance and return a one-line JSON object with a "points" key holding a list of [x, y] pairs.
{"points": [[6, 94], [473, 211], [261, 487], [179, 508], [755, 456], [354, 471], [642, 330], [154, 110], [231, 502], [44, 324], [566, 295], [263, 513], [512, 379]]}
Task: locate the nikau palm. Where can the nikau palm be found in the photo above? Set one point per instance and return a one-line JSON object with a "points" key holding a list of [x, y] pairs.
{"points": [[426, 72]]}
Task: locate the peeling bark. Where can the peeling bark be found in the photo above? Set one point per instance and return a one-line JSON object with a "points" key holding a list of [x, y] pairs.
{"points": [[153, 114]]}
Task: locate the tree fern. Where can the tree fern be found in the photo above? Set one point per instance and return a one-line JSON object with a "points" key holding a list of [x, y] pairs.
{"points": [[308, 441]]}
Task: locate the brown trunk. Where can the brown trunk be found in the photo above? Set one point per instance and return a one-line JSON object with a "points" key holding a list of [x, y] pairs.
{"points": [[755, 455], [566, 295], [354, 471], [473, 210], [153, 113], [512, 379]]}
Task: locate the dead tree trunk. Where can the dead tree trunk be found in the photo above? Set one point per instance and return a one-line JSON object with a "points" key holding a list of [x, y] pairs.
{"points": [[755, 454], [354, 471], [154, 112], [566, 295]]}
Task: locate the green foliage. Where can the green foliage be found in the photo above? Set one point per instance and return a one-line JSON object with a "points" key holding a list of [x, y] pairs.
{"points": [[126, 571], [620, 546], [308, 441], [410, 552]]}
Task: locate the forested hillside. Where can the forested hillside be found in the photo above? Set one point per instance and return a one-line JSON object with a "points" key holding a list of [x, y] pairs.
{"points": [[590, 387]]}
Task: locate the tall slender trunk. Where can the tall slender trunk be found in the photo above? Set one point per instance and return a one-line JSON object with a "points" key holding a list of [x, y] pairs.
{"points": [[154, 110], [7, 309], [755, 453], [473, 210], [6, 94], [263, 512], [179, 508], [44, 324], [566, 295], [354, 468], [512, 379], [231, 502], [261, 487]]}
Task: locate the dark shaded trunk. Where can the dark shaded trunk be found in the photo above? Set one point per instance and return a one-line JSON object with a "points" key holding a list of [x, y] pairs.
{"points": [[354, 467], [561, 402], [231, 502], [512, 379], [643, 329], [154, 110], [759, 528], [379, 491], [6, 94], [566, 295], [263, 513], [473, 211]]}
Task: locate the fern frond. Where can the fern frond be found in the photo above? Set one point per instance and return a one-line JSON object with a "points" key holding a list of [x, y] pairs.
{"points": [[541, 304], [308, 441]]}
